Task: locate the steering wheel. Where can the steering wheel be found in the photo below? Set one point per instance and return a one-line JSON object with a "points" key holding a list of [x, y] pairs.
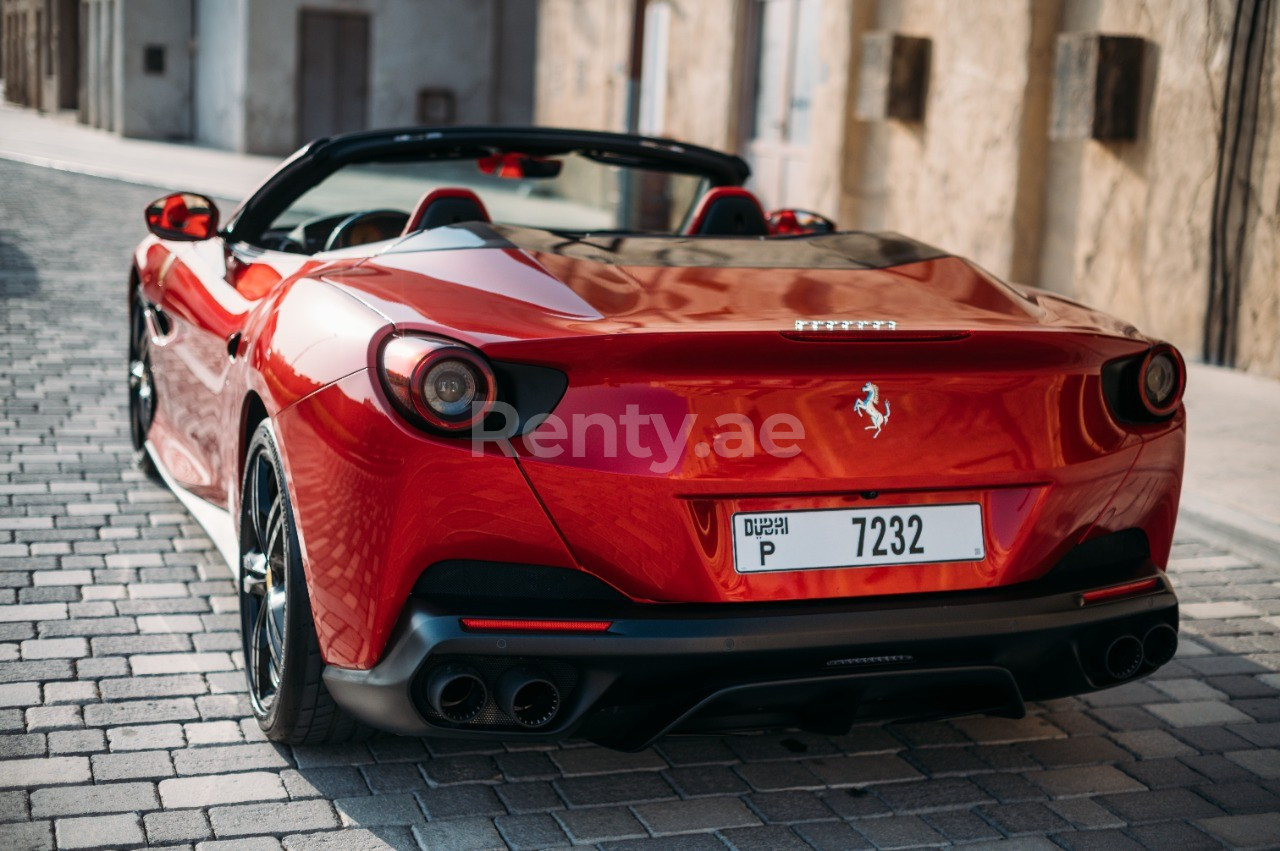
{"points": [[366, 226], [792, 222]]}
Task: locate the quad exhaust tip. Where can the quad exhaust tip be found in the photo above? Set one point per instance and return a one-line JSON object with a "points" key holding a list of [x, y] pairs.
{"points": [[1160, 644], [1123, 657], [456, 692], [528, 696]]}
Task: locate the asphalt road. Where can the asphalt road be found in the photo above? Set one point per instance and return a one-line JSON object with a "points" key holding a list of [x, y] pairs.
{"points": [[122, 719]]}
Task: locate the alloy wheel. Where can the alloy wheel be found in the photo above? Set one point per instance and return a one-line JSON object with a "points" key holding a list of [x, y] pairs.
{"points": [[141, 385], [264, 580]]}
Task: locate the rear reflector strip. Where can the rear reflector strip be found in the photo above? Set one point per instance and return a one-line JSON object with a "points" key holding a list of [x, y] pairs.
{"points": [[524, 625], [1129, 589]]}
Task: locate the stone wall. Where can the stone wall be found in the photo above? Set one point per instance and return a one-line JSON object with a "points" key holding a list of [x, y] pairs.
{"points": [[1121, 225]]}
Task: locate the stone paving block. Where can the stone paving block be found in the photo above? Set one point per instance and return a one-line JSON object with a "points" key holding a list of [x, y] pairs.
{"points": [[99, 831], [394, 777], [134, 712], [19, 744], [212, 733], [530, 765], [695, 750], [1198, 713], [27, 835], [211, 790], [1174, 835], [1084, 750], [178, 663], [167, 828], [1089, 780], [531, 832], [600, 824], [146, 737], [44, 718], [32, 773], [1264, 762], [931, 795], [1152, 744], [1024, 818], [282, 817], [1097, 840], [900, 832], [960, 826], [1163, 773], [136, 765], [379, 810], [335, 782], [250, 843], [83, 800], [457, 801], [74, 692], [767, 838], [1160, 805], [789, 807], [993, 731], [596, 760], [462, 834], [769, 776], [77, 741], [529, 797], [55, 648], [1241, 797], [348, 839], [832, 836], [628, 788], [129, 688], [220, 759], [1085, 813], [862, 770], [19, 694], [694, 816], [1248, 831], [697, 780]]}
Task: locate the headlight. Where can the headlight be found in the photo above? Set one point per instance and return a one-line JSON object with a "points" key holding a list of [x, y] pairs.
{"points": [[443, 384]]}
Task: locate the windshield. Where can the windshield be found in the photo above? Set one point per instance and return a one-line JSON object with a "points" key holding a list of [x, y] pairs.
{"points": [[568, 192]]}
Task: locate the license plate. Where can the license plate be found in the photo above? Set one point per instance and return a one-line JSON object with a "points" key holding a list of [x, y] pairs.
{"points": [[856, 537]]}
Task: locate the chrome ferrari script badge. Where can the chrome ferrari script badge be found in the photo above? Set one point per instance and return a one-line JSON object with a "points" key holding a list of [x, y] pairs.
{"points": [[868, 404], [846, 325]]}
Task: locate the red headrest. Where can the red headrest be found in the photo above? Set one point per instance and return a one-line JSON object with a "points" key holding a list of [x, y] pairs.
{"points": [[448, 205], [728, 211]]}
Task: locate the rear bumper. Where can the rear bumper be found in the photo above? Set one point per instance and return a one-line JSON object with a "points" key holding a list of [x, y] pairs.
{"points": [[822, 666]]}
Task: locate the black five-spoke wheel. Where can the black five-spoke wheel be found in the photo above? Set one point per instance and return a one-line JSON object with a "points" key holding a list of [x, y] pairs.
{"points": [[282, 657], [142, 389], [264, 580]]}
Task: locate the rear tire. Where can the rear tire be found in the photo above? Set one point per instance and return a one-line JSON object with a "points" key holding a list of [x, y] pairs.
{"points": [[282, 657]]}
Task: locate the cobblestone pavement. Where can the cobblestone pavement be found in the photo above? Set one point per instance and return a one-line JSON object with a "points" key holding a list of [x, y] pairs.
{"points": [[123, 720]]}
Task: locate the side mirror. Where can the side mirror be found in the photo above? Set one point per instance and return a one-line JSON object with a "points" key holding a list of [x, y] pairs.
{"points": [[788, 222], [183, 216]]}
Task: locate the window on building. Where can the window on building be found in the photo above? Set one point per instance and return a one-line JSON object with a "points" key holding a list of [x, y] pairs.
{"points": [[153, 59]]}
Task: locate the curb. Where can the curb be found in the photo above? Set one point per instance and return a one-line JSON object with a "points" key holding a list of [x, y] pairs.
{"points": [[1242, 533]]}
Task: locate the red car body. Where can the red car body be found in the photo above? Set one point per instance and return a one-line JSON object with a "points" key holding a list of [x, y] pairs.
{"points": [[999, 394]]}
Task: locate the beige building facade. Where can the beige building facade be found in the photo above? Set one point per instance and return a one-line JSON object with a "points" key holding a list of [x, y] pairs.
{"points": [[1168, 228]]}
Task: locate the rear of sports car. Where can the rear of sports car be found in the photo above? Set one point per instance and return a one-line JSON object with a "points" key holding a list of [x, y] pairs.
{"points": [[698, 523]]}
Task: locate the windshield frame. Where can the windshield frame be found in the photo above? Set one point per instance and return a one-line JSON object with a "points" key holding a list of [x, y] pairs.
{"points": [[315, 162]]}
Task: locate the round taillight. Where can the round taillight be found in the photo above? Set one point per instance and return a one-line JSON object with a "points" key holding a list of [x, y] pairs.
{"points": [[445, 384], [1162, 379]]}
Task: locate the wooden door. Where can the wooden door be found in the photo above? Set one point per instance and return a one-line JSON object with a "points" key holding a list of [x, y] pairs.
{"points": [[333, 74]]}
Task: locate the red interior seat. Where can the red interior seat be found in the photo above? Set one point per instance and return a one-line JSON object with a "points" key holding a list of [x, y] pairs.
{"points": [[728, 211], [448, 205]]}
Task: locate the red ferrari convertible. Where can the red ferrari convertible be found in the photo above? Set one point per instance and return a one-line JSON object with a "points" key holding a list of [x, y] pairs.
{"points": [[532, 433]]}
